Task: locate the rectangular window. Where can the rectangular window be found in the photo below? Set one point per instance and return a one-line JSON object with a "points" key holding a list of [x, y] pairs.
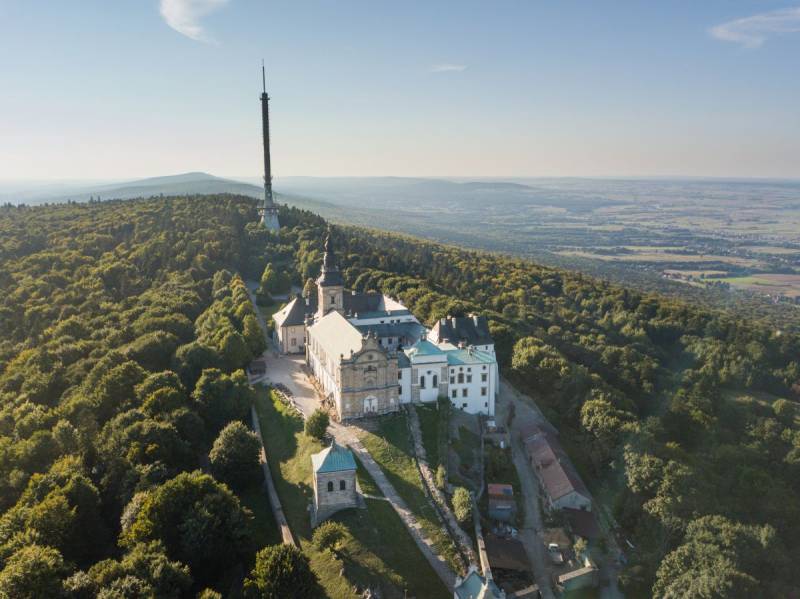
{"points": [[464, 406], [452, 380], [293, 341], [422, 382], [399, 374], [484, 376], [400, 390], [469, 369], [463, 393], [333, 300], [469, 378], [460, 377], [454, 394], [483, 391]]}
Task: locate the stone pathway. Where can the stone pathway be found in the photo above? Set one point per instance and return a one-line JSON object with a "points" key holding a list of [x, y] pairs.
{"points": [[462, 539], [344, 435]]}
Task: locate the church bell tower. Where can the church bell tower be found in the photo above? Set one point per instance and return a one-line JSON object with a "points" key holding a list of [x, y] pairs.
{"points": [[269, 212], [330, 284]]}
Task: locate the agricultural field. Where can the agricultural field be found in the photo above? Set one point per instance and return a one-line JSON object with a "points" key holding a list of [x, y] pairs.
{"points": [[785, 285], [626, 231]]}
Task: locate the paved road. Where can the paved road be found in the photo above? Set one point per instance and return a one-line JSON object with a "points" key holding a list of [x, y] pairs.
{"points": [[525, 413]]}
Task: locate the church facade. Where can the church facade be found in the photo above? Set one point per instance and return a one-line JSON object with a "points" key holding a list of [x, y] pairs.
{"points": [[369, 354]]}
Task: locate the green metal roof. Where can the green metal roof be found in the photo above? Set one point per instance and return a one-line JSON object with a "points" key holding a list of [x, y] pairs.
{"points": [[460, 357], [423, 347], [333, 459]]}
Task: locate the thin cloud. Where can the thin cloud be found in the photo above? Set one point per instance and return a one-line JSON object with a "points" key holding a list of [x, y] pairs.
{"points": [[184, 16], [448, 68], [752, 32]]}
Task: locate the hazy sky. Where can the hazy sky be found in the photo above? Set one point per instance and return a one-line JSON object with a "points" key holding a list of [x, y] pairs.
{"points": [[133, 88]]}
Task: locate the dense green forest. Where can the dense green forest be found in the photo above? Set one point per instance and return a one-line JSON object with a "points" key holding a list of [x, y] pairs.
{"points": [[687, 415], [124, 335], [124, 327]]}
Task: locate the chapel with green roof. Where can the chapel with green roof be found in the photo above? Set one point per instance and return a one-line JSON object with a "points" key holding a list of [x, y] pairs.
{"points": [[334, 482]]}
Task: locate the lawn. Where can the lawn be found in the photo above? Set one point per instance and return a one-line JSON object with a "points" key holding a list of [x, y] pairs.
{"points": [[391, 450], [378, 552]]}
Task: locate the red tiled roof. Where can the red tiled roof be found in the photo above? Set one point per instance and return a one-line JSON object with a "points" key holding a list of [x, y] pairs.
{"points": [[555, 470]]}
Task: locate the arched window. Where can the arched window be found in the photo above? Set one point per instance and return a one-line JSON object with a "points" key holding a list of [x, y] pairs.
{"points": [[342, 485], [330, 486], [435, 381], [422, 382]]}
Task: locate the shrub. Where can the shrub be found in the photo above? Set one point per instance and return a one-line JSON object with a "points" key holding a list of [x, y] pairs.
{"points": [[281, 571], [462, 504], [329, 535], [317, 424]]}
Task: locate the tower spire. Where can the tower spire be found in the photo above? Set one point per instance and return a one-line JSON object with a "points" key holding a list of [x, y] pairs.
{"points": [[269, 212]]}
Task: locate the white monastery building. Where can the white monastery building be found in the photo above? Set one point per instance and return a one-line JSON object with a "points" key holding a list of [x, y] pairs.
{"points": [[369, 353]]}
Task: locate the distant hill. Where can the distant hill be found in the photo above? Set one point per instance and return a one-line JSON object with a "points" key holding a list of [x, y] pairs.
{"points": [[182, 184]]}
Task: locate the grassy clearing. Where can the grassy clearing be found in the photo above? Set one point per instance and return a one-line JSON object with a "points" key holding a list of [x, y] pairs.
{"points": [[289, 452], [392, 451], [378, 552], [370, 557]]}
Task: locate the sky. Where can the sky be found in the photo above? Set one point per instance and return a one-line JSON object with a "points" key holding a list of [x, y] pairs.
{"points": [[92, 89]]}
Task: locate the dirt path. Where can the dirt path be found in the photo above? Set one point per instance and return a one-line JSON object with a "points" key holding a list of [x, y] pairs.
{"points": [[272, 493]]}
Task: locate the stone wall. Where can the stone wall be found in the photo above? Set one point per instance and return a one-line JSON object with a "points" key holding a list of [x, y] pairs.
{"points": [[328, 502]]}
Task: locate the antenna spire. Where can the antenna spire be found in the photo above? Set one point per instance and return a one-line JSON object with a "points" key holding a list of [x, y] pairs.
{"points": [[263, 77]]}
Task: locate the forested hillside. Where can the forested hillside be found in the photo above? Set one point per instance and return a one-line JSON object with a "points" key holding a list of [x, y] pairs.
{"points": [[124, 328], [123, 338], [686, 416]]}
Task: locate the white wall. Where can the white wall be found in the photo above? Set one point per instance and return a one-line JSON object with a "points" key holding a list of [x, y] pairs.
{"points": [[475, 401], [429, 372], [405, 383], [294, 333]]}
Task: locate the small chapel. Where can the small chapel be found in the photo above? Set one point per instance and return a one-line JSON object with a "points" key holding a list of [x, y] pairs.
{"points": [[334, 482]]}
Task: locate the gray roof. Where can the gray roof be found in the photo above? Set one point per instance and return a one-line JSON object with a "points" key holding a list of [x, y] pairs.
{"points": [[475, 586], [337, 335], [408, 332], [294, 313], [471, 330]]}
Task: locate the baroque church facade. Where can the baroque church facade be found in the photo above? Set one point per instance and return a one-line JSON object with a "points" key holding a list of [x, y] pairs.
{"points": [[369, 354]]}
